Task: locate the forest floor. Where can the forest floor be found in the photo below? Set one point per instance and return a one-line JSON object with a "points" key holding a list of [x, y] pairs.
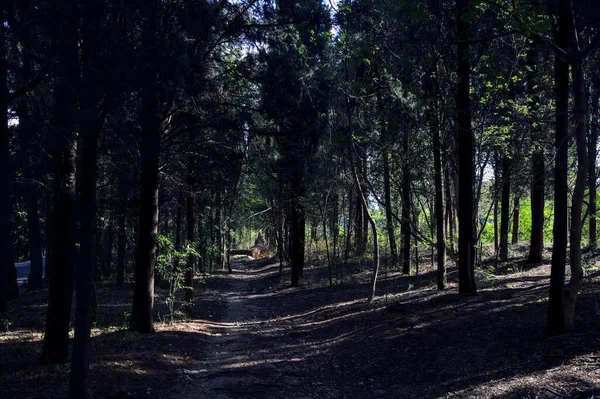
{"points": [[250, 335]]}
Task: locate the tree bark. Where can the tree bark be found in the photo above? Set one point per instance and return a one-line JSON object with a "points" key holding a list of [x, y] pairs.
{"points": [[297, 226], [63, 123], [592, 151], [406, 209], [505, 210], [466, 243], [580, 119], [143, 299], [439, 201], [516, 218], [364, 205], [6, 260], [536, 246], [35, 277], [150, 122], [191, 237], [556, 315], [122, 234]]}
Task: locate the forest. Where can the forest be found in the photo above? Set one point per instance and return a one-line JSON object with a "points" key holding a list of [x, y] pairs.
{"points": [[299, 199]]}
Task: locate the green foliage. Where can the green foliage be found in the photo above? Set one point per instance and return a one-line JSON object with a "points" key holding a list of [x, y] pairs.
{"points": [[172, 266], [5, 325]]}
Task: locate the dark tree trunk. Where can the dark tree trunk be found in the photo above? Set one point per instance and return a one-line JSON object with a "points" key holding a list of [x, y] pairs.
{"points": [[580, 119], [297, 227], [63, 122], [143, 299], [108, 258], [348, 225], [150, 122], [91, 122], [592, 151], [335, 226], [6, 260], [406, 211], [449, 214], [26, 140], [219, 260], [439, 202], [536, 246], [85, 290], [497, 189], [466, 245], [505, 211], [556, 315], [388, 208], [516, 218], [358, 226], [191, 237], [122, 233], [35, 277]]}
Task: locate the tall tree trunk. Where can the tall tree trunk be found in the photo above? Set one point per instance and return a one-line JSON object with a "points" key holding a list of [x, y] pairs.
{"points": [[388, 208], [536, 246], [297, 226], [143, 295], [439, 201], [348, 228], [91, 122], [505, 211], [449, 214], [466, 245], [35, 277], [6, 261], [335, 226], [107, 263], [497, 185], [85, 290], [364, 205], [63, 122], [406, 209], [122, 233], [516, 219], [556, 312], [580, 119], [358, 226], [191, 237], [592, 151]]}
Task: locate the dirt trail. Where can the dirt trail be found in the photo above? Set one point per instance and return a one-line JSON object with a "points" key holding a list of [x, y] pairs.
{"points": [[239, 361]]}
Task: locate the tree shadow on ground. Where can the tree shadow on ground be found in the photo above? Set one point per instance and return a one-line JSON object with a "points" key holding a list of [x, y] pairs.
{"points": [[431, 343]]}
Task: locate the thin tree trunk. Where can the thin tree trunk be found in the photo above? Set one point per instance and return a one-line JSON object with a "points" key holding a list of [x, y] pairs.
{"points": [[466, 265], [35, 277], [505, 211], [592, 151], [406, 210], [85, 290], [358, 226], [63, 122], [6, 260], [191, 238], [297, 227], [388, 208], [439, 203], [516, 218], [143, 297], [371, 222], [122, 234], [536, 246], [556, 311], [580, 119]]}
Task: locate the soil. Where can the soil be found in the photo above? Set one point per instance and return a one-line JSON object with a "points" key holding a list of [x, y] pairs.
{"points": [[250, 335]]}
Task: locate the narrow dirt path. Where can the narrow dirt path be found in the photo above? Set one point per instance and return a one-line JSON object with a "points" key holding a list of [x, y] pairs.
{"points": [[239, 361]]}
